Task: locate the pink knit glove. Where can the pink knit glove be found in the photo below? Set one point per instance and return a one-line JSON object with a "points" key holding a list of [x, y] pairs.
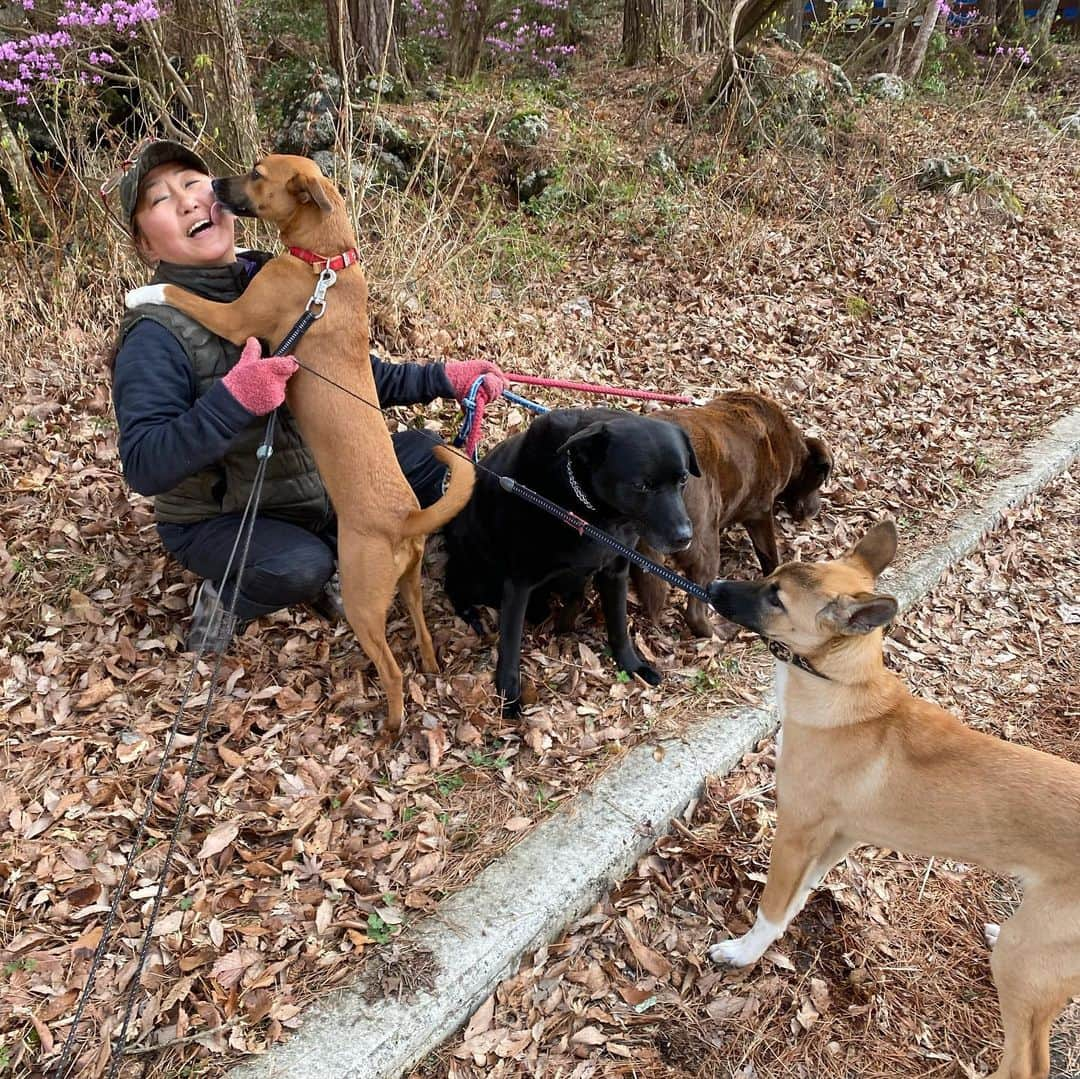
{"points": [[461, 376], [256, 383]]}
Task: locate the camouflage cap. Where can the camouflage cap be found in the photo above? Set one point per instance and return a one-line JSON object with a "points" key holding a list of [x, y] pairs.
{"points": [[162, 152]]}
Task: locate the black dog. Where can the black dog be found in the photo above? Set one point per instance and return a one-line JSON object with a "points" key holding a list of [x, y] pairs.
{"points": [[622, 472]]}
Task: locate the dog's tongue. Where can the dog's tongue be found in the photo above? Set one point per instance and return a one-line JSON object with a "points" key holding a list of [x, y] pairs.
{"points": [[216, 211]]}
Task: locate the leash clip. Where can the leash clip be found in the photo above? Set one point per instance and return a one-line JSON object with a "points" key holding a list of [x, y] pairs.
{"points": [[327, 277]]}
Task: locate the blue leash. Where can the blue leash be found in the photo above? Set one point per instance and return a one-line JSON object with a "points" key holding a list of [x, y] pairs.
{"points": [[468, 407]]}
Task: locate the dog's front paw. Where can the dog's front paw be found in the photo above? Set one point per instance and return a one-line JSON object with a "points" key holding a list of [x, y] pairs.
{"points": [[991, 932], [511, 709], [139, 297], [739, 952], [650, 674]]}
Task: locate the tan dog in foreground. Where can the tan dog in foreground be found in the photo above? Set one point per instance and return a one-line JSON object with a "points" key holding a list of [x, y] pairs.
{"points": [[381, 527], [864, 761]]}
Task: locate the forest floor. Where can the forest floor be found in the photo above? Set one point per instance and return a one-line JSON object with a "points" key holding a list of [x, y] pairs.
{"points": [[927, 339]]}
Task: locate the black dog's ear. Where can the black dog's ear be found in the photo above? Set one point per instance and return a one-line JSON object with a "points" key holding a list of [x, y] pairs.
{"points": [[855, 616], [692, 464], [309, 189], [591, 441]]}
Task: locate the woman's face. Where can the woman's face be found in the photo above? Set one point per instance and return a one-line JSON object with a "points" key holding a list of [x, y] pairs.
{"points": [[176, 219]]}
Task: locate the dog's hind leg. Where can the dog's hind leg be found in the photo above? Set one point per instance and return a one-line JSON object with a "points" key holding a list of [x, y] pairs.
{"points": [[799, 861], [412, 595], [369, 579], [1036, 968]]}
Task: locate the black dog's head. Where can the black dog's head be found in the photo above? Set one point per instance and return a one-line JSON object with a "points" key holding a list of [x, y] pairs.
{"points": [[802, 496], [636, 468]]}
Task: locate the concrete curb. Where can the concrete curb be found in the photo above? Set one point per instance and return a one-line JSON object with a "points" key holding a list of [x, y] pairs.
{"points": [[553, 875]]}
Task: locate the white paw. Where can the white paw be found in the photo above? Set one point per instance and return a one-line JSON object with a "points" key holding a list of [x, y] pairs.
{"points": [[991, 932], [740, 952], [139, 297]]}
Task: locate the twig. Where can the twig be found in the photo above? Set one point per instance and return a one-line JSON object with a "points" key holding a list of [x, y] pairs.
{"points": [[137, 1050]]}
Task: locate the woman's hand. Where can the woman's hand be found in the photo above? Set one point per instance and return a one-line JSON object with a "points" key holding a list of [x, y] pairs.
{"points": [[461, 377], [259, 384]]}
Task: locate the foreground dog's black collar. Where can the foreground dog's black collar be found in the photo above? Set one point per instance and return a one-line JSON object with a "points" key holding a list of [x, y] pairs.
{"points": [[785, 655], [579, 494]]}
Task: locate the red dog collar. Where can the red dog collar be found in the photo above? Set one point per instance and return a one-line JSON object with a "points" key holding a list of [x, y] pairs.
{"points": [[329, 262]]}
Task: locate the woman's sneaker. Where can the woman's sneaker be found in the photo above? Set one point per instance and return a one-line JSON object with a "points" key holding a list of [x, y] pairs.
{"points": [[211, 631]]}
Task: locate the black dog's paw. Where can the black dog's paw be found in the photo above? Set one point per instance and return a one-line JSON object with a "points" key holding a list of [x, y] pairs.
{"points": [[511, 709], [471, 617], [650, 674]]}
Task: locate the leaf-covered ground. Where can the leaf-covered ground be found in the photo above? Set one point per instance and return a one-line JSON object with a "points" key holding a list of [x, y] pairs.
{"points": [[886, 972], [927, 345]]}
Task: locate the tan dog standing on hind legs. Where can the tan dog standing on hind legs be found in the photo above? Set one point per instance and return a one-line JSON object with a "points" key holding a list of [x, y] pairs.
{"points": [[864, 761], [381, 527]]}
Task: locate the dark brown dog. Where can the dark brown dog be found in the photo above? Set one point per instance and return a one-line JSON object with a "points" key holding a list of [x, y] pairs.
{"points": [[751, 456], [381, 528]]}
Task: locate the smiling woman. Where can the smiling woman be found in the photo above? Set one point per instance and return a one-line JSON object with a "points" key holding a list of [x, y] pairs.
{"points": [[189, 407]]}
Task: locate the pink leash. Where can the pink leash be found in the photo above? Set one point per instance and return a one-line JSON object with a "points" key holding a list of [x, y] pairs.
{"points": [[589, 387]]}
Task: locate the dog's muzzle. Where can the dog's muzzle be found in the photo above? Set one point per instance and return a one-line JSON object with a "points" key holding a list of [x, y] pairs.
{"points": [[235, 202]]}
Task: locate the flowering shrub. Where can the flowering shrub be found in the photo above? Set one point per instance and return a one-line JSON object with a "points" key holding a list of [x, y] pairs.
{"points": [[75, 49], [526, 35]]}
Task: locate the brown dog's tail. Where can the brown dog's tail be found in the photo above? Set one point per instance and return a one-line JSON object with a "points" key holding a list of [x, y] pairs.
{"points": [[432, 518], [651, 590]]}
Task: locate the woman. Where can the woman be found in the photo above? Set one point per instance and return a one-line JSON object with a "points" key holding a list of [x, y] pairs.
{"points": [[191, 406]]}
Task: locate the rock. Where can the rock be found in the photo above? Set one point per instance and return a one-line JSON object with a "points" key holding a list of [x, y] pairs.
{"points": [[578, 306], [940, 173], [524, 131], [312, 125], [841, 84], [955, 174], [1026, 114], [392, 139], [885, 86], [333, 165], [385, 87], [391, 169], [662, 163], [533, 183], [1070, 125]]}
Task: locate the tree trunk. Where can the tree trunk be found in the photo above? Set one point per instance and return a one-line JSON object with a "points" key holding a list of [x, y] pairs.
{"points": [[688, 25], [468, 22], [922, 41], [1044, 23], [215, 64], [641, 31], [795, 20], [894, 45], [371, 37], [748, 15]]}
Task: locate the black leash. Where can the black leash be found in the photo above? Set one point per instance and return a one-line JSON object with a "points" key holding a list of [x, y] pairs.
{"points": [[244, 534]]}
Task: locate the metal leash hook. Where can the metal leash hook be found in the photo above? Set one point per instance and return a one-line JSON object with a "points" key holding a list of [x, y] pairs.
{"points": [[327, 277]]}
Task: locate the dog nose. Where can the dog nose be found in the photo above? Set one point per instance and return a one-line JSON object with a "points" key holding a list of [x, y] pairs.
{"points": [[681, 537]]}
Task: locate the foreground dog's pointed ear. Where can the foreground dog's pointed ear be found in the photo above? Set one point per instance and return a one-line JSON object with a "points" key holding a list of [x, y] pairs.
{"points": [[877, 548], [856, 615], [590, 441], [309, 189], [692, 465]]}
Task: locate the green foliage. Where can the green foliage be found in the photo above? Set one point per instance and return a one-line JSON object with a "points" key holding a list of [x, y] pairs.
{"points": [[286, 44]]}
